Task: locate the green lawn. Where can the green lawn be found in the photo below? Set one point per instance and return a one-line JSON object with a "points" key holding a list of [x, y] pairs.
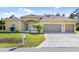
{"points": [[10, 39], [14, 39], [33, 40]]}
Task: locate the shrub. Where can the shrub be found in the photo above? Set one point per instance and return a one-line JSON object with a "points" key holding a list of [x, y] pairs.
{"points": [[12, 28], [77, 28], [17, 31]]}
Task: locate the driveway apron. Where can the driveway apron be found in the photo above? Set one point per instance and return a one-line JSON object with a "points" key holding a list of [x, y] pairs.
{"points": [[60, 40]]}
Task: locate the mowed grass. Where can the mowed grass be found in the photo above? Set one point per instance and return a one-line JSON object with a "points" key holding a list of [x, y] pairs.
{"points": [[33, 40], [10, 37]]}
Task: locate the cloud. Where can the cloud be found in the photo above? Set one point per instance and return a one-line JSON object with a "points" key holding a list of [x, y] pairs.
{"points": [[19, 12], [57, 7], [25, 10], [6, 14], [9, 13]]}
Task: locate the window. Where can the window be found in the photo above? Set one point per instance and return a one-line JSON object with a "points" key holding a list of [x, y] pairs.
{"points": [[13, 24], [33, 27]]}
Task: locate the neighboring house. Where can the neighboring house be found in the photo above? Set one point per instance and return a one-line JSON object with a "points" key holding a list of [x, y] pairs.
{"points": [[51, 24]]}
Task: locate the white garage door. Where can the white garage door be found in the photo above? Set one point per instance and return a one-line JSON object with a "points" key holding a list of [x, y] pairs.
{"points": [[52, 28], [69, 28]]}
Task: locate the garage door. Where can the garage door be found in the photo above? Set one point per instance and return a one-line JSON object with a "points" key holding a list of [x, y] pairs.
{"points": [[69, 28], [52, 28]]}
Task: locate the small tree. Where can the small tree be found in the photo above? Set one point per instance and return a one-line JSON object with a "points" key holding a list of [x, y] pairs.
{"points": [[39, 26]]}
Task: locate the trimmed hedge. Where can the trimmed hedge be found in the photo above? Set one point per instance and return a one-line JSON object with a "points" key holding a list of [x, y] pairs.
{"points": [[10, 40], [77, 28]]}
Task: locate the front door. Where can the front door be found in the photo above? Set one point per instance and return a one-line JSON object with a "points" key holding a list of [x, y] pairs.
{"points": [[26, 27]]}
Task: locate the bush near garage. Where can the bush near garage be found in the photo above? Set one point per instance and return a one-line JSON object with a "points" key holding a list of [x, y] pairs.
{"points": [[77, 28]]}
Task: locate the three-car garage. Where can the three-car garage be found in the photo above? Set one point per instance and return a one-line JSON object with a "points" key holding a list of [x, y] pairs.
{"points": [[57, 28]]}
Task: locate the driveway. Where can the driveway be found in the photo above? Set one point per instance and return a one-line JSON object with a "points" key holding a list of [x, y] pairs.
{"points": [[61, 40]]}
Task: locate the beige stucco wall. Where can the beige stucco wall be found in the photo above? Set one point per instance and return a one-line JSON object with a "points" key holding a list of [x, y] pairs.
{"points": [[8, 25], [20, 25], [62, 27]]}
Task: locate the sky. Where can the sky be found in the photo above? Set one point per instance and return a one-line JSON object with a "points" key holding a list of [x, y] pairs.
{"points": [[21, 11]]}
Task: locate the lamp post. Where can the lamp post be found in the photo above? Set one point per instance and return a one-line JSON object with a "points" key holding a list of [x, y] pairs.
{"points": [[23, 39]]}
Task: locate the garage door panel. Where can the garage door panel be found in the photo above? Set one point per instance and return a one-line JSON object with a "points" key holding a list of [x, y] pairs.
{"points": [[52, 28], [69, 28]]}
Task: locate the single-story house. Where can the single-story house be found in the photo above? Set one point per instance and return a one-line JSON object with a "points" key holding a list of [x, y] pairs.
{"points": [[51, 24]]}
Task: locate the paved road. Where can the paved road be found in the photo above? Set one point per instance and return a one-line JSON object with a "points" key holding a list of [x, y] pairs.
{"points": [[45, 49], [61, 40]]}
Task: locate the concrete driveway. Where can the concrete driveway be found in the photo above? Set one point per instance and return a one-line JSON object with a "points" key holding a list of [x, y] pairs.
{"points": [[61, 40]]}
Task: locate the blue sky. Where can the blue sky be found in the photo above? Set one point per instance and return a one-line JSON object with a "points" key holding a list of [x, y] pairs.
{"points": [[21, 11]]}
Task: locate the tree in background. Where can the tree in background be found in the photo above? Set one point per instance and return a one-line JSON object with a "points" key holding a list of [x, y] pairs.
{"points": [[52, 15], [57, 14], [2, 22], [76, 12], [72, 15], [63, 15], [47, 15]]}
